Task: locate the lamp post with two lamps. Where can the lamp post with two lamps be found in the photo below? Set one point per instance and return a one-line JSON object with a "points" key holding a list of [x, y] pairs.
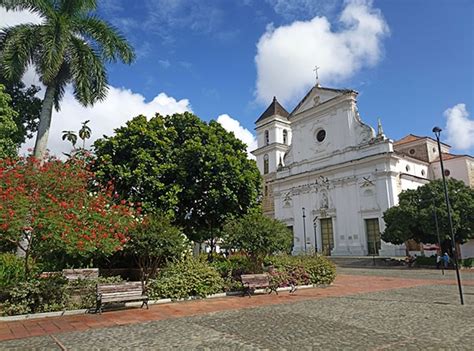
{"points": [[437, 132]]}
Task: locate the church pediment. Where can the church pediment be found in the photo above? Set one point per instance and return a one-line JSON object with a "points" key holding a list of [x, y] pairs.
{"points": [[317, 96]]}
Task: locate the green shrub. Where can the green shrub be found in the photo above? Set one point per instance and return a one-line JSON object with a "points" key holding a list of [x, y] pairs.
{"points": [[187, 278], [38, 295], [425, 261], [467, 262], [301, 270], [12, 270], [231, 268]]}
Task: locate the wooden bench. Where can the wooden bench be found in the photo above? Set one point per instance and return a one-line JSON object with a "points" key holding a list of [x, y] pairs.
{"points": [[120, 292], [251, 282], [81, 273]]}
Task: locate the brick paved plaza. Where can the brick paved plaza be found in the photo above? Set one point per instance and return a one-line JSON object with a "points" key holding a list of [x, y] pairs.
{"points": [[365, 309]]}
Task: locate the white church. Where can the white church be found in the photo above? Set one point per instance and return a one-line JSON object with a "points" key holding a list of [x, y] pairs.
{"points": [[330, 177]]}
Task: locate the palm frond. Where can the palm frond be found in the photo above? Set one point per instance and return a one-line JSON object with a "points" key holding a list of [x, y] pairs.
{"points": [[72, 8], [43, 8], [19, 44], [54, 38], [110, 42], [88, 73]]}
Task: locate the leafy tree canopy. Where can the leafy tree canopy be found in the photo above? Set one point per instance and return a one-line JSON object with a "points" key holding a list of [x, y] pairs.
{"points": [[27, 105], [154, 242], [413, 218], [257, 235], [8, 128], [182, 166]]}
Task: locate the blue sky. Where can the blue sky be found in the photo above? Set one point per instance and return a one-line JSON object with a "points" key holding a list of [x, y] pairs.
{"points": [[410, 60]]}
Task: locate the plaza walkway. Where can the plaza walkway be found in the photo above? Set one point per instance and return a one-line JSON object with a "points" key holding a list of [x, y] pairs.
{"points": [[366, 308]]}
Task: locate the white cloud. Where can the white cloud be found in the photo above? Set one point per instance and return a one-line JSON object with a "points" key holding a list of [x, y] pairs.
{"points": [[233, 125], [120, 106], [12, 18], [292, 9], [459, 127], [287, 55]]}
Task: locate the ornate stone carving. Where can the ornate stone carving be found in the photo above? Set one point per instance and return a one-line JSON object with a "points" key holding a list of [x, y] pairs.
{"points": [[287, 201], [367, 182], [316, 100], [324, 202]]}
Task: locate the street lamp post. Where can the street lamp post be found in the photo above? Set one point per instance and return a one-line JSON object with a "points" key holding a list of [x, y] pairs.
{"points": [[304, 229], [437, 233], [437, 132]]}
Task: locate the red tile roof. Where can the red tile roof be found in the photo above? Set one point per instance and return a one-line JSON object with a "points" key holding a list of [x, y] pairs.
{"points": [[412, 137], [408, 139]]}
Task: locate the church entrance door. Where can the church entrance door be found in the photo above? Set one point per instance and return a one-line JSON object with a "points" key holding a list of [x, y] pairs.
{"points": [[327, 236], [373, 235]]}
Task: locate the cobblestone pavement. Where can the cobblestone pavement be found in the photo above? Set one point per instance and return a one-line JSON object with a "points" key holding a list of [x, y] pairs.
{"points": [[407, 273], [423, 317]]}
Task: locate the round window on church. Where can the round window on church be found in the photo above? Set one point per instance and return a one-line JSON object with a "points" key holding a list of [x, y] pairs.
{"points": [[321, 135], [412, 151]]}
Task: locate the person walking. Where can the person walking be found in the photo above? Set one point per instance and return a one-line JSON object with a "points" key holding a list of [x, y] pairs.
{"points": [[446, 260]]}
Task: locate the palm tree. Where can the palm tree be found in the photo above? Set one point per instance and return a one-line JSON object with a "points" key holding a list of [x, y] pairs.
{"points": [[85, 133], [70, 46]]}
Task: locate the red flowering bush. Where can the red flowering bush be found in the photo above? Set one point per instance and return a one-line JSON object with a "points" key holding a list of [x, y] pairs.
{"points": [[49, 206]]}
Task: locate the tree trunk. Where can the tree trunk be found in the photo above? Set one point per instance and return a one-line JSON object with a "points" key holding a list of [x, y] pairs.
{"points": [[45, 123]]}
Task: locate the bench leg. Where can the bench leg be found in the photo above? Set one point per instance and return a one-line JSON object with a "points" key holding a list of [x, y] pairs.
{"points": [[247, 291], [273, 289], [98, 306]]}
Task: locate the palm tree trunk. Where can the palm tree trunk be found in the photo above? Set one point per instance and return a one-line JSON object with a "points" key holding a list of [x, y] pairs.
{"points": [[44, 123]]}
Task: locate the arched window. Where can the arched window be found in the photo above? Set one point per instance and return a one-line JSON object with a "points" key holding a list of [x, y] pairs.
{"points": [[285, 136], [267, 138], [265, 164]]}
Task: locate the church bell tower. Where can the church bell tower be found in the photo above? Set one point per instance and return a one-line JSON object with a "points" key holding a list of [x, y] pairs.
{"points": [[273, 139]]}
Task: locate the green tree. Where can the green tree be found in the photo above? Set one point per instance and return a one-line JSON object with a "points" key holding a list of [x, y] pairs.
{"points": [[154, 243], [413, 218], [71, 45], [182, 166], [27, 106], [257, 235], [8, 129]]}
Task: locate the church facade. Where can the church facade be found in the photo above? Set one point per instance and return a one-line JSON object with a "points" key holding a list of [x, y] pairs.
{"points": [[330, 177]]}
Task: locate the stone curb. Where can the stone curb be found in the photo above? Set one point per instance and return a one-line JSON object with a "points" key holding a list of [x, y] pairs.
{"points": [[22, 317]]}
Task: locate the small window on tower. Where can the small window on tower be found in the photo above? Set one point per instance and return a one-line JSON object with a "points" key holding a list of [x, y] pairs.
{"points": [[285, 136], [267, 138], [265, 164]]}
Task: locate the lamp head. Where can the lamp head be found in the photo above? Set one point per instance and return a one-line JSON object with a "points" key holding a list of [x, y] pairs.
{"points": [[437, 131]]}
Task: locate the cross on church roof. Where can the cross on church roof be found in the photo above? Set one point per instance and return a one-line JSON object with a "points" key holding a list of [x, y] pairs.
{"points": [[316, 68]]}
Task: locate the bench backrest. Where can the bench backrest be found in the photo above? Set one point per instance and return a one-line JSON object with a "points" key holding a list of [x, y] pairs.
{"points": [[126, 287], [82, 273], [255, 279]]}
